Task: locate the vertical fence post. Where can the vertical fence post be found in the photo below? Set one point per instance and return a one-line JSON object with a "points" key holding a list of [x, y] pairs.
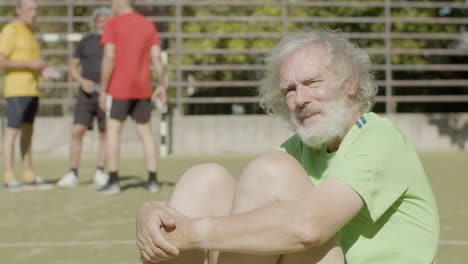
{"points": [[389, 103], [178, 62], [284, 15], [66, 105]]}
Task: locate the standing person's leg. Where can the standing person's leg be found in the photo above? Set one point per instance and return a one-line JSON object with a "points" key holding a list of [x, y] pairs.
{"points": [[8, 152], [26, 151], [142, 115], [146, 136], [30, 180], [78, 131], [204, 190], [281, 178], [70, 179], [15, 115], [82, 120], [101, 159], [100, 177], [114, 131], [117, 112]]}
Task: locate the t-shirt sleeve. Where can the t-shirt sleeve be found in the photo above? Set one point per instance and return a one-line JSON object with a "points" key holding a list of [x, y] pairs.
{"points": [[155, 36], [371, 167], [108, 34], [7, 40]]}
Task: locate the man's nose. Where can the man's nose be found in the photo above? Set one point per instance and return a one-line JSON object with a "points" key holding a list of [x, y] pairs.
{"points": [[301, 96]]}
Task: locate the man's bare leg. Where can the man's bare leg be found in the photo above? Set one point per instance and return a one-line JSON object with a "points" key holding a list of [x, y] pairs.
{"points": [[8, 152], [149, 145], [26, 151], [202, 191], [102, 149], [281, 178], [78, 131], [114, 130]]}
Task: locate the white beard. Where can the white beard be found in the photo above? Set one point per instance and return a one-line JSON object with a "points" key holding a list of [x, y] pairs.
{"points": [[330, 123]]}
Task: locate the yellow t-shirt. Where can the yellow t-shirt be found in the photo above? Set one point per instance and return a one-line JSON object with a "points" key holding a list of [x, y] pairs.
{"points": [[18, 44]]}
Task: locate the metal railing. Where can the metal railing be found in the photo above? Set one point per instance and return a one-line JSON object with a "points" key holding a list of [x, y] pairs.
{"points": [[393, 71]]}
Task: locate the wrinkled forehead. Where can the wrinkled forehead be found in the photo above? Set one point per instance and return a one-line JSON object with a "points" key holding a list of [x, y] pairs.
{"points": [[304, 60]]}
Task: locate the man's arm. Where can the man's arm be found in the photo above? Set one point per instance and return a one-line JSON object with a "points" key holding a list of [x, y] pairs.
{"points": [[35, 65], [156, 58], [107, 65], [276, 228], [85, 84]]}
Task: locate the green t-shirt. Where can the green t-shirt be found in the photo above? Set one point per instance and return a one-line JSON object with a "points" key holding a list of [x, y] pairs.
{"points": [[399, 222]]}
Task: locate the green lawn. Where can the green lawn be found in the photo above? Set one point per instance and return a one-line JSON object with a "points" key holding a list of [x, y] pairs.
{"points": [[76, 226]]}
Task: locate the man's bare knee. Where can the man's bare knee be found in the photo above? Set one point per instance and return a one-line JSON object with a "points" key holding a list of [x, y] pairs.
{"points": [[207, 176], [277, 171], [279, 177], [204, 190]]}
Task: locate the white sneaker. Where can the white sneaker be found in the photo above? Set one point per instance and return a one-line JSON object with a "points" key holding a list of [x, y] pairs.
{"points": [[12, 186], [68, 180], [100, 178], [109, 189]]}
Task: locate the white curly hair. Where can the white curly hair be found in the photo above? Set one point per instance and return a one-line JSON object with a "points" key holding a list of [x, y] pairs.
{"points": [[347, 61]]}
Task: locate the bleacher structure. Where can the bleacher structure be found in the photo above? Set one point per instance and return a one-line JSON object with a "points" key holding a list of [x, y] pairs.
{"points": [[419, 48]]}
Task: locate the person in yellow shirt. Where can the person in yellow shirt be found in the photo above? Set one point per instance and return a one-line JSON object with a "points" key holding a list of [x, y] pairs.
{"points": [[20, 58]]}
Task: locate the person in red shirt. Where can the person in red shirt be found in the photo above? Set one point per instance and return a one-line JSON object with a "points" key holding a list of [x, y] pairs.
{"points": [[130, 40]]}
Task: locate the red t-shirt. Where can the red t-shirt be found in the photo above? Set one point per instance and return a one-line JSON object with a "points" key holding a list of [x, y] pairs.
{"points": [[133, 36]]}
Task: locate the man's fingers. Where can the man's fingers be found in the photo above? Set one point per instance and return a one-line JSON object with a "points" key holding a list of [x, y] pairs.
{"points": [[164, 245], [154, 255], [168, 221], [146, 259], [146, 246]]}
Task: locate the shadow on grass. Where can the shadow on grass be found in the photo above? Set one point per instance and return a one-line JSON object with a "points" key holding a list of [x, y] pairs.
{"points": [[131, 182]]}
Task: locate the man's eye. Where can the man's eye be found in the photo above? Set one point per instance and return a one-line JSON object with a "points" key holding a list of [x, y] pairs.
{"points": [[287, 90]]}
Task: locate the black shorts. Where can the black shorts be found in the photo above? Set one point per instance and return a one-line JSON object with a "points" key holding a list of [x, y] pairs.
{"points": [[21, 109], [86, 109], [138, 109]]}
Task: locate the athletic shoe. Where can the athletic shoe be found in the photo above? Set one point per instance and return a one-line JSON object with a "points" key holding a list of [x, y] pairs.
{"points": [[12, 186], [68, 180], [37, 184], [100, 178], [152, 186], [109, 189]]}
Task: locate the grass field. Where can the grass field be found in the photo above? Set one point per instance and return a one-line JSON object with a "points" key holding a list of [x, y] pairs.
{"points": [[69, 226]]}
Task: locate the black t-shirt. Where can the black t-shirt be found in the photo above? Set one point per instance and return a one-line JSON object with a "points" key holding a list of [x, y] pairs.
{"points": [[90, 51]]}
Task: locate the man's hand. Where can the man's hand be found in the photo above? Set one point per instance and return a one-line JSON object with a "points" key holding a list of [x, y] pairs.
{"points": [[102, 100], [87, 86], [160, 93], [153, 220]]}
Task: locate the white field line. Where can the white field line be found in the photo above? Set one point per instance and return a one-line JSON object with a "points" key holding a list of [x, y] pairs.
{"points": [[67, 243], [132, 242]]}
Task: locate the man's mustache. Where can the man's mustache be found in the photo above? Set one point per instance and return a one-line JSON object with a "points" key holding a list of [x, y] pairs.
{"points": [[307, 111]]}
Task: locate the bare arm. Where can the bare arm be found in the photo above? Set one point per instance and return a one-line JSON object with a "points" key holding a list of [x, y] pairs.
{"points": [[35, 65], [107, 65], [277, 228], [85, 84], [156, 58]]}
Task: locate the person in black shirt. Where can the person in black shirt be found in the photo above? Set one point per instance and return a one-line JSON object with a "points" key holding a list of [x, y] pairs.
{"points": [[88, 54]]}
